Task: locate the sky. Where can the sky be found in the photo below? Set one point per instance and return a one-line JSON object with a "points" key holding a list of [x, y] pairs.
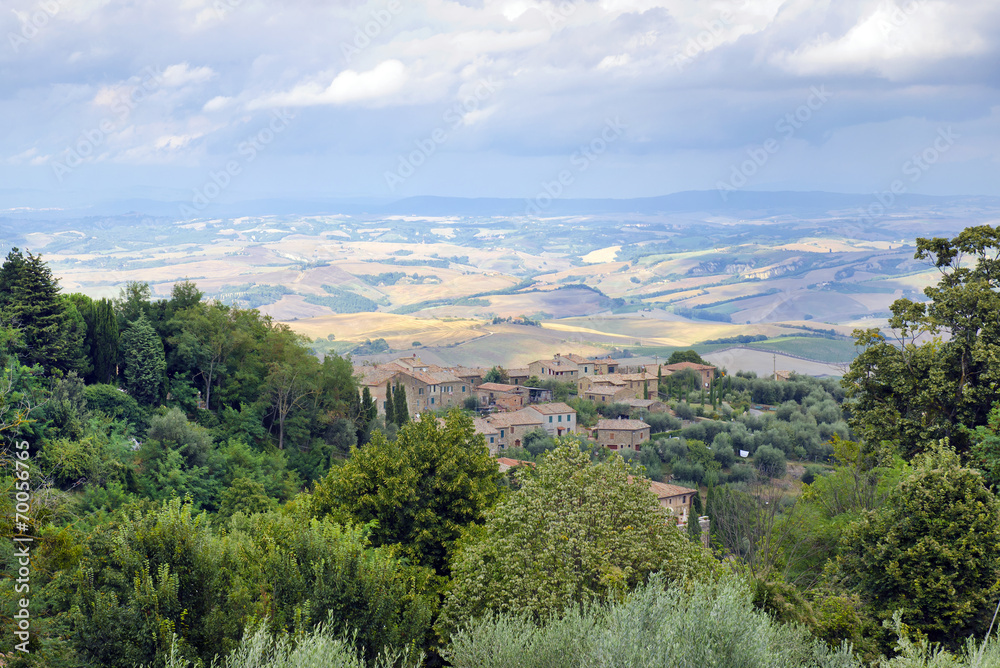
{"points": [[227, 100]]}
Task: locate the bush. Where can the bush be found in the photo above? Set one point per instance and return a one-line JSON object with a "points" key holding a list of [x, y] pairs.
{"points": [[661, 422], [684, 411], [741, 473], [770, 461], [687, 625]]}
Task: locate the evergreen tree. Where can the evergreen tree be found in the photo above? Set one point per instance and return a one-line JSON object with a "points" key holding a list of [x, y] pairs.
{"points": [[390, 408], [696, 503], [402, 410], [142, 352], [105, 342], [645, 389], [367, 410], [52, 329], [693, 527]]}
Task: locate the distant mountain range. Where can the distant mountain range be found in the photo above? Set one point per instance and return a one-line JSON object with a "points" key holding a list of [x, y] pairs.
{"points": [[28, 206]]}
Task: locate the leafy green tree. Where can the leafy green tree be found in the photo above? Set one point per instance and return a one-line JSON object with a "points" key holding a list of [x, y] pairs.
{"points": [[770, 461], [132, 302], [933, 551], [574, 532], [401, 410], [104, 342], [679, 356], [497, 374], [156, 573], [985, 453], [422, 489], [914, 394], [142, 354], [244, 496]]}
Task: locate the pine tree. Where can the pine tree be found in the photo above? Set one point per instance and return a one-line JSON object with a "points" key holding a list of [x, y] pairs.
{"points": [[390, 407], [52, 330], [142, 352], [402, 411]]}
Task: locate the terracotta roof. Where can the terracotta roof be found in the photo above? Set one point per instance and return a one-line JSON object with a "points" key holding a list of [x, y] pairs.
{"points": [[622, 425], [483, 426], [600, 389], [552, 409], [464, 371], [518, 372], [577, 359], [376, 375], [557, 364], [498, 387], [515, 419], [662, 490], [609, 379], [507, 463], [433, 377], [637, 376], [640, 403]]}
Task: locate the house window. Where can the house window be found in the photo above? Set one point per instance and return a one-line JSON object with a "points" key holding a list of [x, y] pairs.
{"points": [[420, 391], [463, 388], [550, 418], [560, 418], [432, 400], [611, 435], [491, 439], [501, 433]]}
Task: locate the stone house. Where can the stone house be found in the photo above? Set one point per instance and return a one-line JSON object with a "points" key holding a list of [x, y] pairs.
{"points": [[607, 394], [674, 498], [489, 432], [603, 367], [638, 384], [433, 390], [514, 426], [501, 395], [558, 419], [560, 368], [706, 371], [622, 434]]}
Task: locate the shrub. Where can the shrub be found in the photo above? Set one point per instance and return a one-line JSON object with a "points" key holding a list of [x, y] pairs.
{"points": [[770, 461]]}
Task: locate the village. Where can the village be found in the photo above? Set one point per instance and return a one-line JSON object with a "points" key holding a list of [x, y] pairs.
{"points": [[509, 411]]}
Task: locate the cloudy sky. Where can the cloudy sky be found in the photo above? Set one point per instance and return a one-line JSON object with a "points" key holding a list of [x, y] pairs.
{"points": [[237, 99]]}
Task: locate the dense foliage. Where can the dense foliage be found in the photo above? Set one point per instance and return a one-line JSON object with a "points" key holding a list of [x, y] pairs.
{"points": [[205, 488]]}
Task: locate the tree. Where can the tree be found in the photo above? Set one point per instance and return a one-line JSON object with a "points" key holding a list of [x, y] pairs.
{"points": [[770, 461], [288, 386], [423, 488], [390, 406], [52, 330], [574, 532], [497, 375], [401, 409], [366, 414], [693, 526], [914, 394], [685, 356], [142, 353], [933, 551], [104, 351], [985, 453]]}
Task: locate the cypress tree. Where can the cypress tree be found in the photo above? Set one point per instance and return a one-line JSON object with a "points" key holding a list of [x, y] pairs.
{"points": [[696, 503], [402, 411], [645, 389], [142, 351], [693, 527], [390, 407], [105, 342]]}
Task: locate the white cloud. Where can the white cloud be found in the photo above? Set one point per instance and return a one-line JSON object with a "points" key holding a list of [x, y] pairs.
{"points": [[348, 87], [178, 75], [217, 103]]}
